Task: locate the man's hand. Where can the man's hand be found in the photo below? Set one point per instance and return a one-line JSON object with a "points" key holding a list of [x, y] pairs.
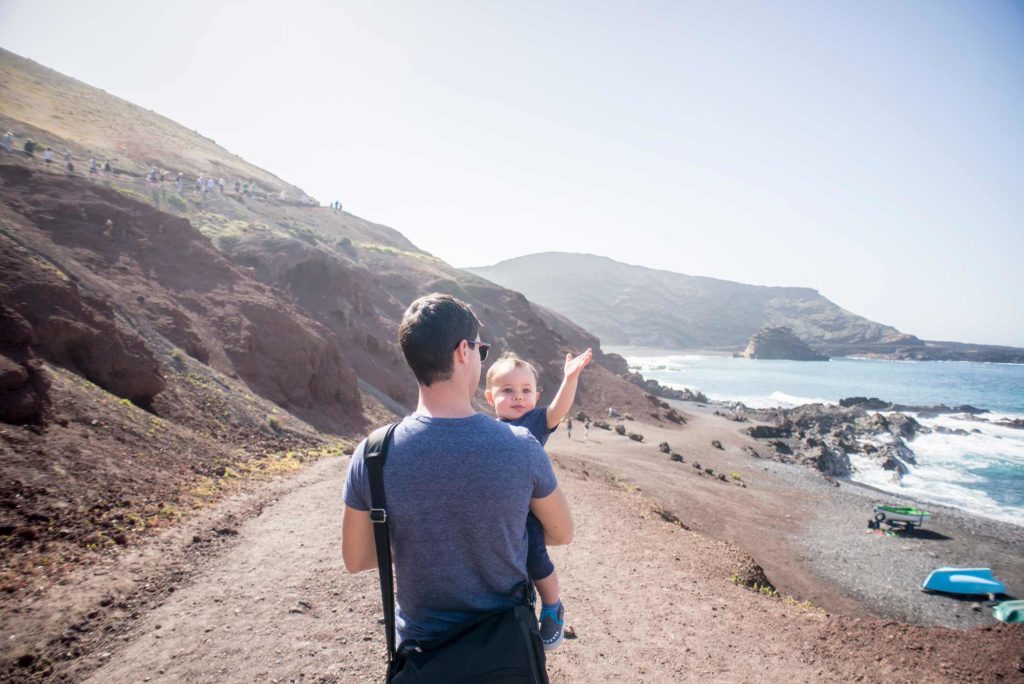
{"points": [[573, 366]]}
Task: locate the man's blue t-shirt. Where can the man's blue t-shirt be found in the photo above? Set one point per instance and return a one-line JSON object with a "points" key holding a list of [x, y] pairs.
{"points": [[536, 421], [458, 493]]}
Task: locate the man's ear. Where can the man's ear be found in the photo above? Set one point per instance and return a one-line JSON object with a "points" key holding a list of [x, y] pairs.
{"points": [[459, 354]]}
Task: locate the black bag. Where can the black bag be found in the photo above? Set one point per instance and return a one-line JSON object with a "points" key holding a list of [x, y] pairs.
{"points": [[502, 647]]}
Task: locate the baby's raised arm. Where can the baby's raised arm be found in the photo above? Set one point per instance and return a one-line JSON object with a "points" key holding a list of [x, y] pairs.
{"points": [[566, 393]]}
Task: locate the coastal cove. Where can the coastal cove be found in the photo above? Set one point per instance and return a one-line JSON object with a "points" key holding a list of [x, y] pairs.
{"points": [[967, 462]]}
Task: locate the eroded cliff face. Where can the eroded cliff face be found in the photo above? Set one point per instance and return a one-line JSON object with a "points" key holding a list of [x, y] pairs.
{"points": [[359, 289], [106, 286]]}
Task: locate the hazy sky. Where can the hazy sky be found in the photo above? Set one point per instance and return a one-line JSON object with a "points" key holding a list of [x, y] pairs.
{"points": [[871, 150]]}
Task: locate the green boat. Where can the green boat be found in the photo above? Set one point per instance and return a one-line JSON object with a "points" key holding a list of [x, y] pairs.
{"points": [[907, 516], [1009, 611]]}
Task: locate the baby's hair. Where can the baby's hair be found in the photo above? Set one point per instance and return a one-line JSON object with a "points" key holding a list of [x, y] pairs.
{"points": [[506, 362]]}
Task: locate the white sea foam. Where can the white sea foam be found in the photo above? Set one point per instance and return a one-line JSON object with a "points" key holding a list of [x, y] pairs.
{"points": [[947, 465], [773, 400], [672, 362]]}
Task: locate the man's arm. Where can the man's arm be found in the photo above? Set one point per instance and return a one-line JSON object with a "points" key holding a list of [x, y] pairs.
{"points": [[566, 393], [357, 547], [553, 513]]}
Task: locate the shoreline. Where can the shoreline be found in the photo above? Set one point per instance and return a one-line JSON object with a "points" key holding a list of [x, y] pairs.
{"points": [[809, 534], [979, 473]]}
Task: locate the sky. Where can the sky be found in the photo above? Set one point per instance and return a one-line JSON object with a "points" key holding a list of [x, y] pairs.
{"points": [[871, 150]]}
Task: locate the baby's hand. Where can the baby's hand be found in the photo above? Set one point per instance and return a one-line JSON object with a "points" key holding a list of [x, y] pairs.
{"points": [[573, 366]]}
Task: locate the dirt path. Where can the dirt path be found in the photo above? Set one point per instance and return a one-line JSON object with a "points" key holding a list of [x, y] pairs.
{"points": [[647, 600]]}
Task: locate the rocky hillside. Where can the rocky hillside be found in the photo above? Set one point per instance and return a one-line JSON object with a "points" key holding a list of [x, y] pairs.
{"points": [[142, 372], [352, 276], [633, 305], [158, 345]]}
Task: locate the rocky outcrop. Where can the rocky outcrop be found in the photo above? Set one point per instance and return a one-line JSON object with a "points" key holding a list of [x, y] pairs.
{"points": [[657, 389], [824, 436], [24, 387], [876, 404], [73, 328], [780, 343]]}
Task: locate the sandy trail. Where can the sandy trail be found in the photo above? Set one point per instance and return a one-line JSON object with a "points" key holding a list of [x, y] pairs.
{"points": [[647, 600]]}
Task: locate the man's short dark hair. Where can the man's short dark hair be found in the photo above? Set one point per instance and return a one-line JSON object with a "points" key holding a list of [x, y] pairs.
{"points": [[432, 328]]}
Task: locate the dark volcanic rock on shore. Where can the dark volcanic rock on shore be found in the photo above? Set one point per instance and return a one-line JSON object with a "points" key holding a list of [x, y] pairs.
{"points": [[780, 343], [657, 389], [876, 404], [824, 436]]}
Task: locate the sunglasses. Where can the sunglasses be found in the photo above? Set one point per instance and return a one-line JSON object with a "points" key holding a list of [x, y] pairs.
{"points": [[483, 347]]}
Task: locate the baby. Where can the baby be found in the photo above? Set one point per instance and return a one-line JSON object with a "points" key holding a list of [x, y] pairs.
{"points": [[512, 391]]}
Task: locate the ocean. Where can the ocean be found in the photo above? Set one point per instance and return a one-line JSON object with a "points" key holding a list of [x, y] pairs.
{"points": [[982, 472]]}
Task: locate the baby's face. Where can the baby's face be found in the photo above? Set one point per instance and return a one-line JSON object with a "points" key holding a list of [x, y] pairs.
{"points": [[513, 393]]}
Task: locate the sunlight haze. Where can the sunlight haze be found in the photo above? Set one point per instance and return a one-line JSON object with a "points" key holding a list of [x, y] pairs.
{"points": [[872, 151]]}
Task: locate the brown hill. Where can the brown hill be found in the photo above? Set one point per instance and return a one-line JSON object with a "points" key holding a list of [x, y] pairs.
{"points": [[353, 276], [634, 305], [159, 346], [140, 372]]}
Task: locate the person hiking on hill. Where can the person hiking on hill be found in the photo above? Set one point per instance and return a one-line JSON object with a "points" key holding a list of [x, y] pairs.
{"points": [[568, 428], [8, 142], [48, 155], [93, 168], [106, 166], [586, 430], [459, 486], [512, 391]]}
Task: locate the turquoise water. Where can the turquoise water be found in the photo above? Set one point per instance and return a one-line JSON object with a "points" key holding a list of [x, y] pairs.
{"points": [[981, 472], [996, 387]]}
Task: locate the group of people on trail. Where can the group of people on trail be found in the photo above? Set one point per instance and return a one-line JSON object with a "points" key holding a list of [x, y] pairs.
{"points": [[472, 500], [157, 176], [31, 146]]}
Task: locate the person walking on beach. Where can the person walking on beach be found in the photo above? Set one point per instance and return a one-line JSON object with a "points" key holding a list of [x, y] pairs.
{"points": [[459, 485]]}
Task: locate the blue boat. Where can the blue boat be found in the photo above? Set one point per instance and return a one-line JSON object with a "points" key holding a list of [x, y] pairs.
{"points": [[970, 581]]}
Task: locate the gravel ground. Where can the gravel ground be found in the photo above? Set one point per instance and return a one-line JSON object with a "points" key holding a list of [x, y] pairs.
{"points": [[885, 572]]}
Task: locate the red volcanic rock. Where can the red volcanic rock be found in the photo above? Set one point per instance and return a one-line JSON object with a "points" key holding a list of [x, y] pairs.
{"points": [[108, 286]]}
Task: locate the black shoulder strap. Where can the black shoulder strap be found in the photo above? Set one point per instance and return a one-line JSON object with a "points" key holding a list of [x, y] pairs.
{"points": [[374, 454]]}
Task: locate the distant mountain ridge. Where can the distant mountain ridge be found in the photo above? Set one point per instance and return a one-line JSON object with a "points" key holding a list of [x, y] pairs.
{"points": [[634, 305]]}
